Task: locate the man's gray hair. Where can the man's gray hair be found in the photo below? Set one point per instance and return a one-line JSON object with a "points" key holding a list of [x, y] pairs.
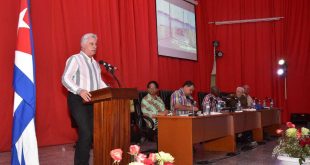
{"points": [[241, 89], [86, 36]]}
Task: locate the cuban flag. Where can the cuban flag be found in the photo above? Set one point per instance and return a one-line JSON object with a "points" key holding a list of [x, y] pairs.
{"points": [[24, 141]]}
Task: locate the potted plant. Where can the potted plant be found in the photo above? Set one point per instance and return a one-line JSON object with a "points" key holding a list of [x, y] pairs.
{"points": [[294, 144]]}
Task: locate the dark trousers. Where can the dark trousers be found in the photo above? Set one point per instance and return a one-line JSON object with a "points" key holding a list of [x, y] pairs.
{"points": [[83, 116]]}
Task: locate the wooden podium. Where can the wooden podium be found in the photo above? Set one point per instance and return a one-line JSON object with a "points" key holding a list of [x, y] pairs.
{"points": [[111, 122]]}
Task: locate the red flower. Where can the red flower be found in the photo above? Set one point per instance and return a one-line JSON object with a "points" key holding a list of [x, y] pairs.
{"points": [[298, 134], [168, 163], [148, 161], [152, 157], [290, 125], [279, 131], [304, 142], [116, 154], [134, 149]]}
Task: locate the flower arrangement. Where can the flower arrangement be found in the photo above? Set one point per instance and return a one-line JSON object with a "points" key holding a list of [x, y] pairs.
{"points": [[293, 143], [160, 158]]}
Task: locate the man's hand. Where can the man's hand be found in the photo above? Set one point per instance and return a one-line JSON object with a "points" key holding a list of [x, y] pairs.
{"points": [[85, 95], [163, 113]]}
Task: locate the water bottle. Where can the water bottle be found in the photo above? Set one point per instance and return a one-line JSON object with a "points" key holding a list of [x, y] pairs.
{"points": [[239, 106], [193, 112], [203, 109], [271, 103], [259, 105], [218, 107], [254, 104], [207, 109], [264, 103]]}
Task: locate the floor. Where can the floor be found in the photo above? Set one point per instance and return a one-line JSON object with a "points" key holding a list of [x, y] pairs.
{"points": [[261, 155]]}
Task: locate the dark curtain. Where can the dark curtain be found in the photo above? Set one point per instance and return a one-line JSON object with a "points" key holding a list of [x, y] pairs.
{"points": [[127, 38]]}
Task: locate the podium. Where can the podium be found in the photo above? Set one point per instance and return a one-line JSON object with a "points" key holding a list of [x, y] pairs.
{"points": [[111, 122]]}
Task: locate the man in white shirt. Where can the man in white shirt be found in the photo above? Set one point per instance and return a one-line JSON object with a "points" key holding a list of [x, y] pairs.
{"points": [[82, 74]]}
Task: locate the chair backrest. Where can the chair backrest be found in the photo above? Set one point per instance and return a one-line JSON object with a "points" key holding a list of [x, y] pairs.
{"points": [[165, 95], [142, 94], [225, 94], [137, 103], [201, 96]]}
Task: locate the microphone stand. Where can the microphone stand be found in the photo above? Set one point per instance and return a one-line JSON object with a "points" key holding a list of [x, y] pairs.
{"points": [[111, 71], [115, 78]]}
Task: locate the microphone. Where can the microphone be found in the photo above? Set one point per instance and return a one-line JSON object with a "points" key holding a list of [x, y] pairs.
{"points": [[193, 102], [108, 67]]}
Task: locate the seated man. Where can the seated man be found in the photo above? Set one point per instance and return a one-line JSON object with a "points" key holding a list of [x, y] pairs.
{"points": [[241, 97], [181, 100], [247, 95], [151, 104], [238, 96], [212, 98]]}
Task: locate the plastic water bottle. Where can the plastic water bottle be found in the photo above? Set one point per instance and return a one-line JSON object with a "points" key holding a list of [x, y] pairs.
{"points": [[193, 112], [218, 107], [239, 106], [271, 103], [207, 109], [264, 103], [254, 104], [259, 105]]}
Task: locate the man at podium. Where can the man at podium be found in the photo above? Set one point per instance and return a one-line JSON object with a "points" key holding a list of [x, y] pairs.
{"points": [[82, 74]]}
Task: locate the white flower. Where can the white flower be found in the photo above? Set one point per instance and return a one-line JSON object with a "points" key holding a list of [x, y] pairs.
{"points": [[304, 131], [164, 157], [291, 132]]}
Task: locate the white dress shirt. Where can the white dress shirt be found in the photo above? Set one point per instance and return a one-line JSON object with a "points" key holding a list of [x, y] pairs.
{"points": [[82, 72]]}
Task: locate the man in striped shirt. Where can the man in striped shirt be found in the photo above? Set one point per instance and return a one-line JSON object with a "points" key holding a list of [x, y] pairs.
{"points": [[212, 98], [181, 100], [82, 74], [151, 104]]}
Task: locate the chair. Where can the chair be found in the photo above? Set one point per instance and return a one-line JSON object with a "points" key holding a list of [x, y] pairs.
{"points": [[225, 94], [201, 96], [165, 95], [143, 125], [300, 118]]}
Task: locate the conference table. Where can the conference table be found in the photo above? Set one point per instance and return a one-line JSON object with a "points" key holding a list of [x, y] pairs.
{"points": [[178, 134]]}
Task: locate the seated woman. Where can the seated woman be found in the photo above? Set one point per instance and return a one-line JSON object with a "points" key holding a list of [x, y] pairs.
{"points": [[151, 104]]}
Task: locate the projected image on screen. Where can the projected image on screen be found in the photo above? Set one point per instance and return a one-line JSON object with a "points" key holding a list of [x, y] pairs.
{"points": [[176, 29]]}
